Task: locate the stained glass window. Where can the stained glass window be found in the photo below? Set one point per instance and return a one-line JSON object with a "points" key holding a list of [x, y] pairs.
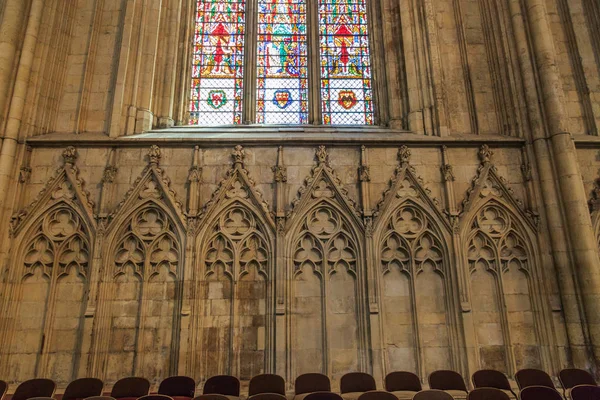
{"points": [[346, 92], [218, 63], [282, 71]]}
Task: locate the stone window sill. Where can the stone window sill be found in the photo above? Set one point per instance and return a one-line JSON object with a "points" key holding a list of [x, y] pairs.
{"points": [[272, 135]]}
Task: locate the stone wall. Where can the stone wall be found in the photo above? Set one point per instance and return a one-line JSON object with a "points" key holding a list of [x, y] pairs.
{"points": [[462, 232], [293, 259]]}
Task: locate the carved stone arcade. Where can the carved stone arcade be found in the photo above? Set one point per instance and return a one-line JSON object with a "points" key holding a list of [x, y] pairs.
{"points": [[157, 290]]}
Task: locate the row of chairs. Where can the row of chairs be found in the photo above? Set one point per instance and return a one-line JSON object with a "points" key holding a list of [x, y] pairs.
{"points": [[489, 385]]}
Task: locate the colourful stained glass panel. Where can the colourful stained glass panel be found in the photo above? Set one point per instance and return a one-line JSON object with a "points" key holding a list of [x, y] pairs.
{"points": [[282, 72], [218, 63], [346, 90]]}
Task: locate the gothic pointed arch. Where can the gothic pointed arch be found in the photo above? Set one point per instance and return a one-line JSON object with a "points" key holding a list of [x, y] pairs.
{"points": [[413, 265], [139, 327], [327, 278], [489, 184], [50, 279], [502, 262], [235, 275], [65, 186]]}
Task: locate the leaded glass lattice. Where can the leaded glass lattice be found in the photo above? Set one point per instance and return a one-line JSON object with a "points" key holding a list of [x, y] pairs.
{"points": [[282, 72], [218, 63], [346, 91]]}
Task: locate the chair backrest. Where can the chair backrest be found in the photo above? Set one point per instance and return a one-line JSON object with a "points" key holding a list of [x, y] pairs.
{"points": [[447, 380], [540, 393], [533, 377], [402, 381], [490, 378], [267, 396], [585, 392], [211, 397], [266, 383], [487, 394], [357, 382], [83, 388], [225, 385], [34, 388], [572, 377], [100, 398], [3, 389], [178, 386], [323, 396], [310, 383], [130, 387], [155, 397], [377, 395], [432, 394]]}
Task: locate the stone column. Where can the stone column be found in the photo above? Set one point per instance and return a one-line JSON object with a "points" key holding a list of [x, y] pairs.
{"points": [[572, 198], [17, 105], [10, 29]]}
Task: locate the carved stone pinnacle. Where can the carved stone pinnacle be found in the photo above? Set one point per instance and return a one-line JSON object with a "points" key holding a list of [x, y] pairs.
{"points": [[485, 154], [70, 155], [322, 155], [154, 154], [238, 155], [404, 154]]}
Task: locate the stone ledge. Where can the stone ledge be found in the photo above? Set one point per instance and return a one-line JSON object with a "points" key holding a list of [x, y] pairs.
{"points": [[180, 136]]}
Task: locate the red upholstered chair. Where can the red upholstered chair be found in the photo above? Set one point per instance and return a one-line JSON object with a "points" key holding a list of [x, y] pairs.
{"points": [[489, 378], [178, 387], [571, 377], [311, 383], [585, 392], [100, 398], [130, 388], [3, 389], [353, 384], [487, 394], [267, 396], [155, 397], [266, 383], [323, 396], [533, 377], [377, 395], [449, 381], [83, 388], [540, 393], [433, 394], [225, 385], [34, 388], [211, 397], [403, 384]]}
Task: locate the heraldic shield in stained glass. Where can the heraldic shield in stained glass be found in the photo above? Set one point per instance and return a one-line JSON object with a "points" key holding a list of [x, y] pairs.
{"points": [[218, 63], [282, 72], [346, 92]]}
